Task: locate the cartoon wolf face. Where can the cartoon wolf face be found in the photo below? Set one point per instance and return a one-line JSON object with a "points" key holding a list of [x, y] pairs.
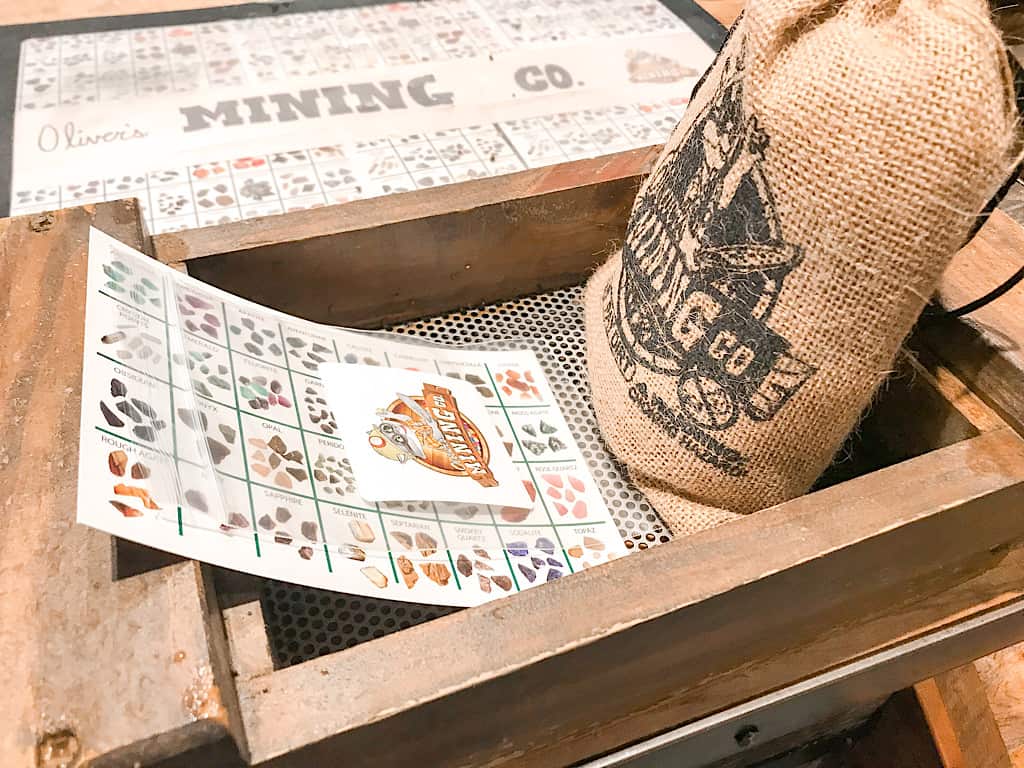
{"points": [[394, 441]]}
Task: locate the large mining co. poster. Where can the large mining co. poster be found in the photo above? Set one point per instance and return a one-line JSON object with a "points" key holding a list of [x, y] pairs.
{"points": [[223, 120]]}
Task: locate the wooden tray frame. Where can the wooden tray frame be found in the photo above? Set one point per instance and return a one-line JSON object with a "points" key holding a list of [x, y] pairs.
{"points": [[850, 592]]}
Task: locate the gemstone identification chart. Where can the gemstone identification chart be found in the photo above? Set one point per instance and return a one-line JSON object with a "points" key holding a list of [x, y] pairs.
{"points": [[206, 432], [584, 77]]}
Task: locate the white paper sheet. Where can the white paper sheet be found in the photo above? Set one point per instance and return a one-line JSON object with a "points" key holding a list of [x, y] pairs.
{"points": [[206, 432]]}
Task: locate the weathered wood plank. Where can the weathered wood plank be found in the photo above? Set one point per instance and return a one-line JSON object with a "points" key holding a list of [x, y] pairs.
{"points": [[921, 407], [961, 721], [434, 250], [847, 572], [133, 669], [246, 631], [1003, 676], [370, 262], [986, 348]]}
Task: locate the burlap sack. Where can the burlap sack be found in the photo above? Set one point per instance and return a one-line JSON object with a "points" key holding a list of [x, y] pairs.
{"points": [[790, 234]]}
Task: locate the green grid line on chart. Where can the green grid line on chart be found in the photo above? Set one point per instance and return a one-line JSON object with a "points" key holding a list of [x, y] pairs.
{"points": [[305, 451], [241, 433]]}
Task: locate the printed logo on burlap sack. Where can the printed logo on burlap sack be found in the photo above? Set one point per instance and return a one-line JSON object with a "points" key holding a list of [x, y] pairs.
{"points": [[703, 263]]}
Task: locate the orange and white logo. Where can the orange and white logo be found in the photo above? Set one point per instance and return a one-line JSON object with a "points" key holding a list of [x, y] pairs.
{"points": [[429, 429]]}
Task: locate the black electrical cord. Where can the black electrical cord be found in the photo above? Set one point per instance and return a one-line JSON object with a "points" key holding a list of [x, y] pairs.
{"points": [[988, 298], [1015, 177]]}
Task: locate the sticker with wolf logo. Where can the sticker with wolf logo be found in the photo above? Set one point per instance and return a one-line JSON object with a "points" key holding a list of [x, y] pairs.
{"points": [[430, 430]]}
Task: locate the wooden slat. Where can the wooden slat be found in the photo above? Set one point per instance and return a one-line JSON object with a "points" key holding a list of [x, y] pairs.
{"points": [[246, 631], [985, 349], [371, 262], [846, 570], [930, 374], [434, 250], [1003, 676], [134, 669], [921, 407], [961, 721]]}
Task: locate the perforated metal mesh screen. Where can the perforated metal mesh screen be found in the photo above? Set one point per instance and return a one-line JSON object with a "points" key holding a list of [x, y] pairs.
{"points": [[303, 623]]}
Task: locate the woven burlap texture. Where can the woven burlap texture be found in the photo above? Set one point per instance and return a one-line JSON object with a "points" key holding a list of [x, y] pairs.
{"points": [[875, 132]]}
